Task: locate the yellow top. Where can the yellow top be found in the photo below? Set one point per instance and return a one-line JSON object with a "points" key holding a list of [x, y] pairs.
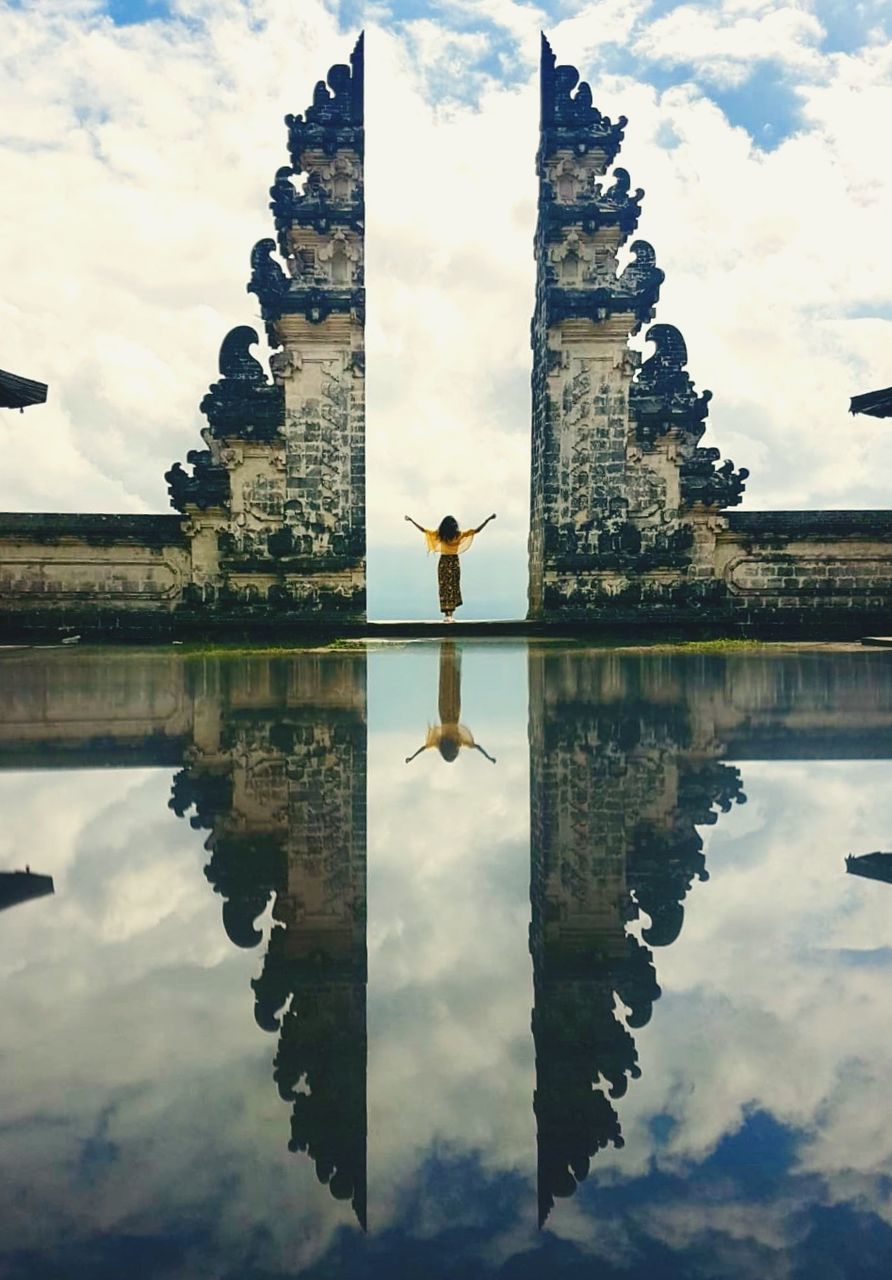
{"points": [[455, 548], [461, 736]]}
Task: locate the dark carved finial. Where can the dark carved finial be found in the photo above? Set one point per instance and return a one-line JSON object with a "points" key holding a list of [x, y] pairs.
{"points": [[208, 486], [235, 359], [620, 195], [268, 280], [283, 198], [547, 62], [641, 280], [621, 184], [335, 117], [243, 404], [671, 354], [357, 65], [662, 396], [569, 117]]}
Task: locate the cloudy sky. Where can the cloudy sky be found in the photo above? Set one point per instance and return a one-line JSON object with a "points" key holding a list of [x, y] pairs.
{"points": [[138, 141]]}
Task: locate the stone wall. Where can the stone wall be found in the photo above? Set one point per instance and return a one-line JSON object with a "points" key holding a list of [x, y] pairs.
{"points": [[87, 572], [773, 574], [806, 570]]}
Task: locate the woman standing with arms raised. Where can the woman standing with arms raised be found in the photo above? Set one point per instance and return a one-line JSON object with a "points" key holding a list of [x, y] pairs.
{"points": [[450, 541]]}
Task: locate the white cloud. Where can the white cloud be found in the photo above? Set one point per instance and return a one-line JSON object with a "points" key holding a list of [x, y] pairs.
{"points": [[722, 44]]}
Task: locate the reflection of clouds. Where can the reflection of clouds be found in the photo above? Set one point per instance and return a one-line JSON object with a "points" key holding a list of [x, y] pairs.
{"points": [[136, 1090], [761, 1013], [450, 1061], [137, 1093]]}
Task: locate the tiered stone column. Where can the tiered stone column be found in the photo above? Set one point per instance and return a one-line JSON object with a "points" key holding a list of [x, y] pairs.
{"points": [[618, 483], [276, 503]]}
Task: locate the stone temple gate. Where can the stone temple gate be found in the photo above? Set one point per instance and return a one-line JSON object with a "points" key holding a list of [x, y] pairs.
{"points": [[277, 501], [631, 518]]}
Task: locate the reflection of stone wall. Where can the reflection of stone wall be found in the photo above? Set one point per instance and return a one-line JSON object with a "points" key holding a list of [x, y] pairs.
{"points": [[81, 708]]}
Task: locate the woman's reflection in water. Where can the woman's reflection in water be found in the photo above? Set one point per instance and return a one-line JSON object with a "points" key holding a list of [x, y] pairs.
{"points": [[449, 736]]}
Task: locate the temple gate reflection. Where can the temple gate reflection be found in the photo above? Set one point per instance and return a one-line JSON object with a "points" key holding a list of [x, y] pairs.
{"points": [[629, 760], [278, 777], [625, 764]]}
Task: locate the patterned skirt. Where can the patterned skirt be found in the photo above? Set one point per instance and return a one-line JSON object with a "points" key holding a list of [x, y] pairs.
{"points": [[449, 582]]}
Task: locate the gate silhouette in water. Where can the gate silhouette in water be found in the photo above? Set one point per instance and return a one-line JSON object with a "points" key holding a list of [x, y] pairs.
{"points": [[628, 758]]}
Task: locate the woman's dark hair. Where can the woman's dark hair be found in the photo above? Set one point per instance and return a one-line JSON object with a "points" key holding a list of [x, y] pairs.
{"points": [[448, 748], [448, 529]]}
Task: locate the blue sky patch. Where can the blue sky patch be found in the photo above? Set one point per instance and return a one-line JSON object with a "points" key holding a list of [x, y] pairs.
{"points": [[849, 24], [757, 1156], [766, 105], [127, 13], [350, 13]]}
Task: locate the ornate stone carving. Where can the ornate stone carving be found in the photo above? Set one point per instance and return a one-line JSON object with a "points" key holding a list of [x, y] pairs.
{"points": [[268, 281], [641, 281], [335, 119], [283, 200], [569, 118], [207, 486], [616, 467], [243, 404], [662, 397], [703, 481]]}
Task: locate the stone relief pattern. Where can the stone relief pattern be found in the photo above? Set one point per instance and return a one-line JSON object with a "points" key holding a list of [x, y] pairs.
{"points": [[294, 539], [319, 466], [606, 507], [616, 460], [264, 497], [662, 398]]}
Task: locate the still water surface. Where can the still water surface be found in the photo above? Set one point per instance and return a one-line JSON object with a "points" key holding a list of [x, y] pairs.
{"points": [[446, 960]]}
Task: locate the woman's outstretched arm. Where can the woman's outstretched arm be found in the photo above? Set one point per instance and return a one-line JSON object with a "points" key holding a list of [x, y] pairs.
{"points": [[410, 758], [477, 747], [485, 522], [419, 527]]}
